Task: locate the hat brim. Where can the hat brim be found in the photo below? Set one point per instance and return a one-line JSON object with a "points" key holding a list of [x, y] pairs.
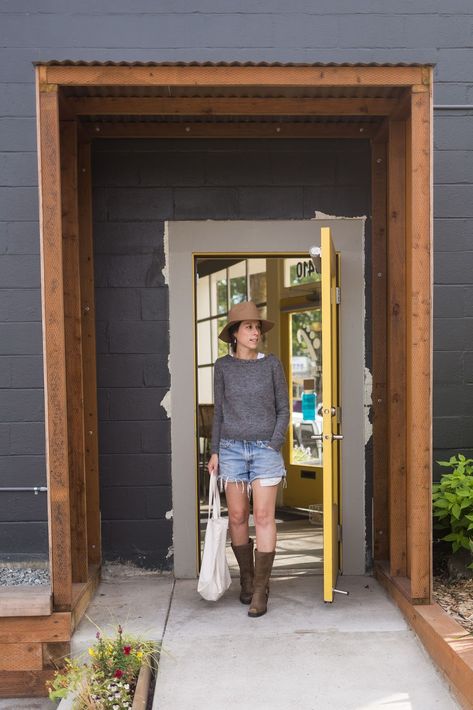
{"points": [[225, 335]]}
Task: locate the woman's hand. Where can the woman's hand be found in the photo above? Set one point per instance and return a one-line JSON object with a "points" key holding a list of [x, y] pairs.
{"points": [[212, 465]]}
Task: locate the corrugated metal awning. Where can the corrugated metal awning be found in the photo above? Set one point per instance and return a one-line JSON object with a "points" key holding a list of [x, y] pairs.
{"points": [[81, 63]]}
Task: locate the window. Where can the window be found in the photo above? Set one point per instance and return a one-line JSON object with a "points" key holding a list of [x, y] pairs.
{"points": [[221, 284]]}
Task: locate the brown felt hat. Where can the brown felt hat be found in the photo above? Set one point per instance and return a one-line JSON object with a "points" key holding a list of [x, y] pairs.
{"points": [[247, 310]]}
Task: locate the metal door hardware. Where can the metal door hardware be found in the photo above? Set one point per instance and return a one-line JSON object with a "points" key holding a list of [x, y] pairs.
{"points": [[332, 437], [334, 411]]}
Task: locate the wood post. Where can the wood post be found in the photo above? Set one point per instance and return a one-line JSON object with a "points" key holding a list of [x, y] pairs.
{"points": [[57, 461], [419, 252], [378, 277], [73, 339], [90, 421], [396, 332]]}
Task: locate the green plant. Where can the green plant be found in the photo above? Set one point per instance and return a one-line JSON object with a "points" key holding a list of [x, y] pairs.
{"points": [[453, 503], [108, 680]]}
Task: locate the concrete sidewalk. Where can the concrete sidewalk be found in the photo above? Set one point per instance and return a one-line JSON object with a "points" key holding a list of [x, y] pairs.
{"points": [[353, 654]]}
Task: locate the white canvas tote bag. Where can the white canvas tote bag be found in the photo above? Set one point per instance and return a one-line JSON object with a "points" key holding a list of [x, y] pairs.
{"points": [[214, 578]]}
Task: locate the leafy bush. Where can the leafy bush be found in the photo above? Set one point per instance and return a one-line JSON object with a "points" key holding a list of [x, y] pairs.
{"points": [[453, 503]]}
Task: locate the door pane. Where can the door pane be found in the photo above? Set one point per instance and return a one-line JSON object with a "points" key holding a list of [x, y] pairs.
{"points": [[299, 271], [204, 354], [237, 277], [257, 279], [219, 297], [306, 369], [203, 297], [205, 385]]}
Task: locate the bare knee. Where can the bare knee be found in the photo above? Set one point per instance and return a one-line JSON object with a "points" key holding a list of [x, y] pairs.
{"points": [[263, 516], [238, 517]]}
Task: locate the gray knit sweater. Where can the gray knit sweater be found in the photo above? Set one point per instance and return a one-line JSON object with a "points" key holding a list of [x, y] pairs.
{"points": [[251, 401]]}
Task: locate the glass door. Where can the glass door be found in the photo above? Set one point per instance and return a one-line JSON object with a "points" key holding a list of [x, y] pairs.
{"points": [[302, 354]]}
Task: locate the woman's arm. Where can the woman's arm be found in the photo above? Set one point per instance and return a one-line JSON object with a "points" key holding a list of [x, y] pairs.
{"points": [[218, 408], [281, 397]]}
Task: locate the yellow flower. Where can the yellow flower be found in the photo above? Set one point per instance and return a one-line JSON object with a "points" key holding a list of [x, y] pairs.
{"points": [[91, 652], [139, 654]]}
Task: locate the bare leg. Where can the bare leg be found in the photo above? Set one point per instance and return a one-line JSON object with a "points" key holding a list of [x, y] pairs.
{"points": [[238, 512], [264, 506]]}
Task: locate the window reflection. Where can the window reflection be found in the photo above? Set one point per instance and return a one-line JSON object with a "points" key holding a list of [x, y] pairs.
{"points": [[221, 284], [306, 386]]}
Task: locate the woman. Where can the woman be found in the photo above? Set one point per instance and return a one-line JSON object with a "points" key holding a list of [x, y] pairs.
{"points": [[251, 416]]}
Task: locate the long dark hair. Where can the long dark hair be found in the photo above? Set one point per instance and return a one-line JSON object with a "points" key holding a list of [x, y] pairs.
{"points": [[231, 332]]}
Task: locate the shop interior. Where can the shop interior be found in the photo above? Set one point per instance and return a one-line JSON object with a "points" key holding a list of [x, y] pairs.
{"points": [[287, 290]]}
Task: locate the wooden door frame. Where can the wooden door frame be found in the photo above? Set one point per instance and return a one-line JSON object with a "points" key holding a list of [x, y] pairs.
{"points": [[402, 277], [402, 297]]}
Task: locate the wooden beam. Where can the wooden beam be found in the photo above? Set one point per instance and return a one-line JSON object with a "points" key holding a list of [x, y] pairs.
{"points": [[73, 339], [419, 252], [89, 366], [53, 628], [402, 109], [24, 684], [396, 346], [212, 106], [207, 75], [57, 463], [21, 657], [378, 277], [229, 130], [83, 595]]}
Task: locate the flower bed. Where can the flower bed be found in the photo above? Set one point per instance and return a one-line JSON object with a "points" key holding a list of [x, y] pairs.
{"points": [[453, 562], [109, 679], [456, 598]]}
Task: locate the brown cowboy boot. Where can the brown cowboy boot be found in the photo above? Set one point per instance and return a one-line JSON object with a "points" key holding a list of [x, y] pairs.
{"points": [[263, 565], [244, 555]]}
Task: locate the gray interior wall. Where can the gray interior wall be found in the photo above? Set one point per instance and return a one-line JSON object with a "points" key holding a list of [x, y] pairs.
{"points": [[302, 31], [138, 185]]}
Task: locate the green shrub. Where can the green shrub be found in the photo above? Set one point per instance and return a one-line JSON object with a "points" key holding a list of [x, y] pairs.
{"points": [[453, 503]]}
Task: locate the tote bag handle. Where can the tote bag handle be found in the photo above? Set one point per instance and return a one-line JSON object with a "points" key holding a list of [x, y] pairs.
{"points": [[214, 498]]}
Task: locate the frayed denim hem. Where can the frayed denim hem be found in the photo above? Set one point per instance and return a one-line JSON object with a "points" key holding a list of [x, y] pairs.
{"points": [[272, 481]]}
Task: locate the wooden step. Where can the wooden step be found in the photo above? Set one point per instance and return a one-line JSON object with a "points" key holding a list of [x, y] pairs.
{"points": [[25, 600]]}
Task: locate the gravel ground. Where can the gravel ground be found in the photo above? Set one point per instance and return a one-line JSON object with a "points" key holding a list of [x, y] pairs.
{"points": [[456, 598], [13, 576]]}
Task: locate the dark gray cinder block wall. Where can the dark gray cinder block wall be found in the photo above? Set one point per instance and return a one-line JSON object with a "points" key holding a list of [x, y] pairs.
{"points": [[159, 30], [137, 185]]}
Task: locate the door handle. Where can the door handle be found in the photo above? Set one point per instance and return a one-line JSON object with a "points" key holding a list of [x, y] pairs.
{"points": [[320, 437]]}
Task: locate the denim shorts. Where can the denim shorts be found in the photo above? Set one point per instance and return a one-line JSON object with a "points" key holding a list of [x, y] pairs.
{"points": [[246, 461]]}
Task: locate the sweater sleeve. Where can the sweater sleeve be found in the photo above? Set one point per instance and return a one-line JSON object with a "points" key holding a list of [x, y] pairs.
{"points": [[218, 408], [281, 397]]}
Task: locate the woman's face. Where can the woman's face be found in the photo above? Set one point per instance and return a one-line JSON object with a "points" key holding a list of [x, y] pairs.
{"points": [[249, 334]]}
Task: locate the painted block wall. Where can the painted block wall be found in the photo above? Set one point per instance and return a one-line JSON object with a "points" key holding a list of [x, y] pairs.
{"points": [[431, 31], [138, 185]]}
